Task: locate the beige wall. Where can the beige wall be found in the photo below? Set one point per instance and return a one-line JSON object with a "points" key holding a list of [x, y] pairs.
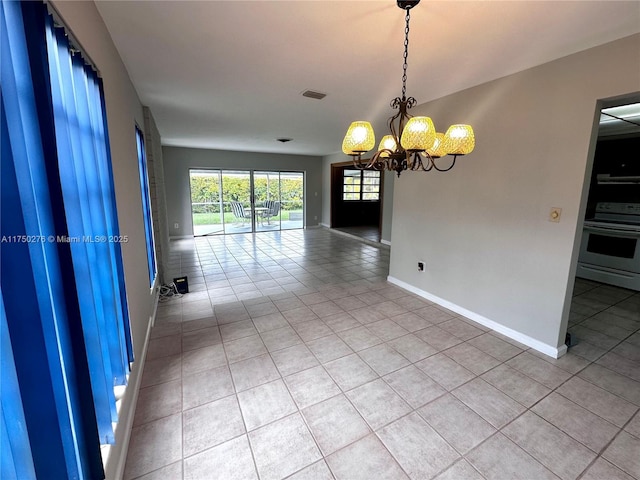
{"points": [[123, 112], [483, 227]]}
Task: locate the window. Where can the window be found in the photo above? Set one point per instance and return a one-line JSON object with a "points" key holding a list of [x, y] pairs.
{"points": [[146, 207], [361, 185], [66, 340]]}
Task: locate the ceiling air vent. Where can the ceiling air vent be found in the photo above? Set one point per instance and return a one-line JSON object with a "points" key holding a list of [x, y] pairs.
{"points": [[312, 94]]}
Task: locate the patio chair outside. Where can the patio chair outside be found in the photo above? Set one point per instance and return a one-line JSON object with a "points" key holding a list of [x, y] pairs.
{"points": [[239, 212], [274, 210]]}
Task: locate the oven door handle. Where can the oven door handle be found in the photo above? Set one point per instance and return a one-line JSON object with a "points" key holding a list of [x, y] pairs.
{"points": [[619, 230]]}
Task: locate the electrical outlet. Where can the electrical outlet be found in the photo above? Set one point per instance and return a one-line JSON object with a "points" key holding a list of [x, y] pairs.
{"points": [[421, 267], [176, 225]]}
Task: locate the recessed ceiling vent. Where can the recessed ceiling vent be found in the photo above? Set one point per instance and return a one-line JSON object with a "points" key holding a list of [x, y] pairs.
{"points": [[312, 94]]}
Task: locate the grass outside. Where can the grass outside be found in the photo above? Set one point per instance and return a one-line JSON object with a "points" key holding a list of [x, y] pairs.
{"points": [[214, 218]]}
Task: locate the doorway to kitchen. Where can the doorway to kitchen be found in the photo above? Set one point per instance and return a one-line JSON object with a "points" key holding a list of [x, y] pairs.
{"points": [[604, 304], [245, 201]]}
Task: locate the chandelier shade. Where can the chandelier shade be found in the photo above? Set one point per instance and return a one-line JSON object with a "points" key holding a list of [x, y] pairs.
{"points": [[419, 144], [459, 140], [359, 138], [418, 134], [437, 150], [387, 143]]}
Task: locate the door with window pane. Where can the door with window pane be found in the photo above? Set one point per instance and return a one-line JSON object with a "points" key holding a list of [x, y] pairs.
{"points": [[355, 197]]}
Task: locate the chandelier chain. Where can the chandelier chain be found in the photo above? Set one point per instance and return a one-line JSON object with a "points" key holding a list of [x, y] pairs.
{"points": [[406, 54]]}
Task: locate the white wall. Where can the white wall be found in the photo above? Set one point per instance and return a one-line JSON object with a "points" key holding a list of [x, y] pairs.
{"points": [[483, 227], [123, 111], [178, 161]]}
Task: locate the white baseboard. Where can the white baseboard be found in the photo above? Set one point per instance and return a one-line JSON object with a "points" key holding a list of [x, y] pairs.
{"points": [[549, 350], [122, 459], [325, 225], [180, 237], [385, 242]]}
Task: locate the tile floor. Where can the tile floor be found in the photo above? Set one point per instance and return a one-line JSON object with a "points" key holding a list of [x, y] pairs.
{"points": [[369, 233], [293, 358]]}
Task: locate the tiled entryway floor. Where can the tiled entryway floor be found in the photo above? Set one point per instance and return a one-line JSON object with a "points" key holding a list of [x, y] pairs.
{"points": [[314, 367]]}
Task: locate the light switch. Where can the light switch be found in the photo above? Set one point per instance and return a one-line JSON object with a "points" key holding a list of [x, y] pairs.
{"points": [[554, 214]]}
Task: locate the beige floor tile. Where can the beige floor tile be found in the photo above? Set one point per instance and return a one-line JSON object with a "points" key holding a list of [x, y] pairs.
{"points": [[456, 423], [294, 359], [490, 403], [540, 370], [517, 385], [383, 359], [317, 471], [445, 371], [414, 386], [378, 403], [335, 423], [584, 426], [499, 458], [253, 371], [556, 450], [265, 403], [604, 404], [624, 453], [229, 461], [350, 371], [211, 424], [283, 447], [364, 460], [471, 358], [461, 470], [419, 450], [329, 348], [206, 386], [601, 470], [412, 348], [158, 401], [154, 445], [311, 386]]}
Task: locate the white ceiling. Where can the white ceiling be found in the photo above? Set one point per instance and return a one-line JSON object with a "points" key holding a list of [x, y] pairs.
{"points": [[229, 74]]}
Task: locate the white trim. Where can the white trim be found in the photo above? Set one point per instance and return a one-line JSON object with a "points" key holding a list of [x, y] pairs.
{"points": [[385, 242], [180, 237], [124, 451], [325, 225], [551, 351]]}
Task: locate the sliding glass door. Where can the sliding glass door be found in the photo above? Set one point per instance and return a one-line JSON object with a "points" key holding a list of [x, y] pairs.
{"points": [[206, 202], [236, 201], [292, 198]]}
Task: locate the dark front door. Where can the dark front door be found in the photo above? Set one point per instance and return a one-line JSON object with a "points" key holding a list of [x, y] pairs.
{"points": [[355, 197]]}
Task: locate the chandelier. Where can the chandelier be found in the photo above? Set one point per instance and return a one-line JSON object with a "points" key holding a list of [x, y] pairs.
{"points": [[413, 143]]}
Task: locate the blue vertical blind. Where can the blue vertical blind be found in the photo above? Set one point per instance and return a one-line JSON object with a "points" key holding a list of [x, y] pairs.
{"points": [[63, 293], [146, 206]]}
